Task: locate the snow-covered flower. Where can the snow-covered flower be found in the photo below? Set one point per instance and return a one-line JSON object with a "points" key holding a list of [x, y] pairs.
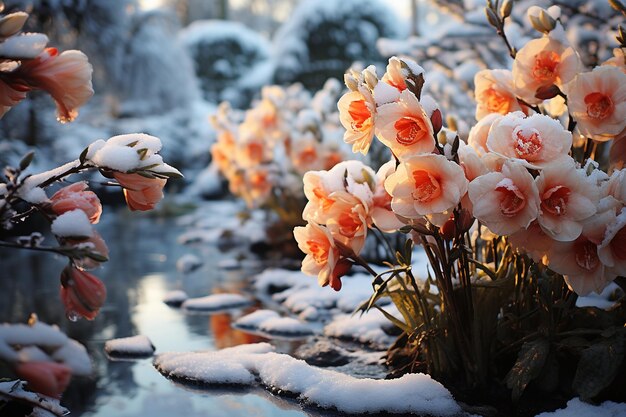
{"points": [[305, 154], [493, 92], [82, 293], [505, 201], [425, 184], [597, 100], [66, 77], [568, 197], [536, 140], [258, 186], [141, 193], [542, 63], [76, 196], [321, 252], [399, 70], [404, 126], [47, 378]]}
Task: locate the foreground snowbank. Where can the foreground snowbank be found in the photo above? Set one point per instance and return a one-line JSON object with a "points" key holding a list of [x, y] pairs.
{"points": [[249, 364]]}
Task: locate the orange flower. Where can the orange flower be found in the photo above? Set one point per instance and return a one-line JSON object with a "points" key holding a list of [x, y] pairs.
{"points": [[141, 193], [74, 197], [542, 63], [66, 77], [48, 378], [82, 293], [494, 93], [357, 111], [321, 254]]}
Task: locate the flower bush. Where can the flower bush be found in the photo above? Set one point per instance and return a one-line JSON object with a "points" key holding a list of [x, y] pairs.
{"points": [[72, 210], [516, 223]]}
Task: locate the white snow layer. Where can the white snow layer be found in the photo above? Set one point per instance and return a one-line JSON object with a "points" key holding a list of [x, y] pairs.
{"points": [[134, 345], [188, 263], [175, 298], [412, 393], [216, 302], [271, 323], [576, 408], [74, 223], [15, 390]]}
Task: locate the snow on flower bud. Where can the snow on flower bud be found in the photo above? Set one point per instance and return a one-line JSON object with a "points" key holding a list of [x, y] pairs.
{"points": [[536, 140], [82, 293], [493, 91], [66, 77], [568, 197], [76, 196], [321, 252], [141, 193], [541, 64], [597, 100], [47, 378], [505, 201], [72, 224], [425, 184], [12, 23], [405, 127]]}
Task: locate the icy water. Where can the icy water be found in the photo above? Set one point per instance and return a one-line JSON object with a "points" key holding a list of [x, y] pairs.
{"points": [[142, 270]]}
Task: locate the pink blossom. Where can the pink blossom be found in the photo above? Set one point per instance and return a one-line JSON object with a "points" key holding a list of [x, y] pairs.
{"points": [[612, 250], [536, 140], [542, 63], [568, 197], [478, 134], [533, 241], [47, 378], [141, 193], [597, 100], [66, 77], [382, 215], [82, 293], [405, 127], [95, 245], [505, 201], [76, 196], [425, 184]]}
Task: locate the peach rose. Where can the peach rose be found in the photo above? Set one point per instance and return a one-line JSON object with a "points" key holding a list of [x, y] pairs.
{"points": [[542, 63], [76, 196], [82, 293], [47, 378], [357, 111], [505, 201], [348, 220], [66, 77], [612, 250], [141, 193], [597, 100], [478, 134], [568, 197], [404, 126], [579, 261], [536, 140], [493, 91], [321, 253], [425, 184]]}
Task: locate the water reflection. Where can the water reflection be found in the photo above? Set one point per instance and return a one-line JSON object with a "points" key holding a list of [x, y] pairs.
{"points": [[142, 270]]}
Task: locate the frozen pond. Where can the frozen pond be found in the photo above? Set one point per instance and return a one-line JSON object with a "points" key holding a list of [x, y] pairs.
{"points": [[143, 253]]}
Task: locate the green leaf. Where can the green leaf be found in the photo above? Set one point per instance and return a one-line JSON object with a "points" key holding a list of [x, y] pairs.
{"points": [[26, 160], [530, 361], [83, 155], [598, 366]]}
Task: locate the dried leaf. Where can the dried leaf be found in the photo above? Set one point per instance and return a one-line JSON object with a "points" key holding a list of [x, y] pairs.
{"points": [[598, 366], [530, 362]]}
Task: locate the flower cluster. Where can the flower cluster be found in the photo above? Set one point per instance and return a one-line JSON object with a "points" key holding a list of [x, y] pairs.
{"points": [[27, 65], [264, 153]]}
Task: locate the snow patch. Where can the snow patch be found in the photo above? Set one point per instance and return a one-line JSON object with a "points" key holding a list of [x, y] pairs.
{"points": [[135, 346], [216, 303]]}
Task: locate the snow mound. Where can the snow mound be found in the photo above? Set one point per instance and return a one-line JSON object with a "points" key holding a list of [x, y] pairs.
{"points": [[576, 408], [216, 303], [188, 263], [411, 394], [271, 323], [134, 346], [175, 298]]}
